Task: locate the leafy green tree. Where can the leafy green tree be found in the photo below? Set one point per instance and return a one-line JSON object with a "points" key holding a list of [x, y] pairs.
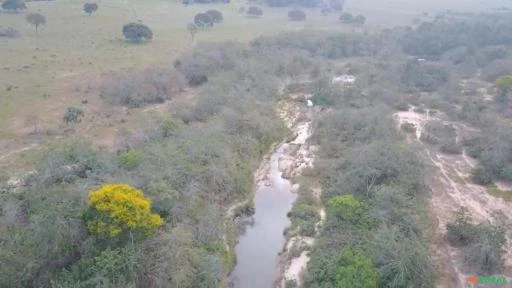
{"points": [[90, 8], [296, 15], [203, 20], [137, 32], [346, 18], [36, 20], [254, 11], [215, 15], [355, 270], [13, 5]]}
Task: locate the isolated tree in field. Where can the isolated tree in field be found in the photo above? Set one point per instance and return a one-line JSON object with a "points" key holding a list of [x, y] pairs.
{"points": [[115, 210], [359, 19], [36, 20], [203, 20], [215, 15], [137, 32], [13, 5], [192, 29], [296, 15], [90, 8], [254, 11], [73, 115], [346, 18]]}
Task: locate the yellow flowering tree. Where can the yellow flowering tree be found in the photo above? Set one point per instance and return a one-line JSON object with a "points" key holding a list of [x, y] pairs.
{"points": [[117, 209]]}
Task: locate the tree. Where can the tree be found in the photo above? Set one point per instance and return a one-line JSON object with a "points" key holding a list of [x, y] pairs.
{"points": [[346, 18], [90, 8], [504, 84], [119, 209], [203, 20], [296, 15], [137, 32], [192, 29], [359, 19], [36, 19], [73, 115], [337, 5], [13, 5], [254, 11], [355, 270], [215, 15], [347, 207]]}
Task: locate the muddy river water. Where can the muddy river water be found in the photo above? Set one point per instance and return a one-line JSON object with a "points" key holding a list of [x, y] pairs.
{"points": [[258, 248]]}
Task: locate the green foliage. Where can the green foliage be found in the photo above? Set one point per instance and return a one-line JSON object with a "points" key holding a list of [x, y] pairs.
{"points": [[130, 159], [347, 207], [296, 15], [355, 270], [136, 89], [504, 84], [73, 115], [425, 77], [432, 39], [203, 20], [215, 15], [13, 5], [481, 176], [482, 244], [254, 11], [137, 32], [90, 8]]}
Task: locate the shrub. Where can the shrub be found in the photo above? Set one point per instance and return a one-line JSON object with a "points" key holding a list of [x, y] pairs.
{"points": [[355, 269], [347, 207], [137, 32], [13, 5], [203, 20], [9, 32], [254, 11], [481, 244], [90, 8], [408, 127], [215, 15], [481, 176], [130, 159], [451, 147], [296, 15], [136, 89], [116, 209], [73, 115]]}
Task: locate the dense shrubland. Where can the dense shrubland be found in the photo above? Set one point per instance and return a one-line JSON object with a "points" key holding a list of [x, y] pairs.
{"points": [[191, 164], [199, 159]]}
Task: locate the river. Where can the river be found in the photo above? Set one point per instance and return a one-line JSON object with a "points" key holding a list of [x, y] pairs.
{"points": [[258, 249]]}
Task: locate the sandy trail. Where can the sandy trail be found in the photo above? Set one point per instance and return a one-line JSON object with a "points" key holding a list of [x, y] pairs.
{"points": [[452, 190]]}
